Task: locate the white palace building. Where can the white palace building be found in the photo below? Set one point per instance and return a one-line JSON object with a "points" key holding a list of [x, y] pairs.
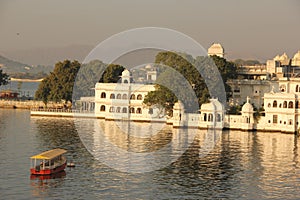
{"points": [[275, 87], [124, 100]]}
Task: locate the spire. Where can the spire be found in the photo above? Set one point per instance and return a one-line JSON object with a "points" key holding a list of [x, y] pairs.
{"points": [[248, 99]]}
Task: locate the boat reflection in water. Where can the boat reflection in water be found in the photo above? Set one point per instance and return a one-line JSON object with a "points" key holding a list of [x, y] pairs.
{"points": [[43, 184]]}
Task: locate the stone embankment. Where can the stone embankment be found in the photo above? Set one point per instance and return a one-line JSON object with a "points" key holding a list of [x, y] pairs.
{"points": [[28, 104]]}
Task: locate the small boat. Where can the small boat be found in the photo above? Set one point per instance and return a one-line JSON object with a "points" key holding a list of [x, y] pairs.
{"points": [[48, 162], [60, 174], [70, 164]]}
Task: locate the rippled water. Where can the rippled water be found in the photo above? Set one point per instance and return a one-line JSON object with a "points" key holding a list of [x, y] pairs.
{"points": [[242, 165]]}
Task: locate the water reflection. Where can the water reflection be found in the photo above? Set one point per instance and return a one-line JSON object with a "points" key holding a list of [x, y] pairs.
{"points": [[135, 149], [41, 185], [241, 165]]}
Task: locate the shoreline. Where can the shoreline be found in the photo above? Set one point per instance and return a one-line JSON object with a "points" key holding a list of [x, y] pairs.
{"points": [[26, 80]]}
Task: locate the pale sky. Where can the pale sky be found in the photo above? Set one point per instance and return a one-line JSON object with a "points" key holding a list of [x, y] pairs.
{"points": [[247, 29]]}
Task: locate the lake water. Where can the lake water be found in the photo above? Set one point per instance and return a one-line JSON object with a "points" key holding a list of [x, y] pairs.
{"points": [[242, 165], [24, 88]]}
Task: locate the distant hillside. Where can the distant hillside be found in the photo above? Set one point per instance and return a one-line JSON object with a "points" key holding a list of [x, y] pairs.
{"points": [[20, 70], [11, 66]]}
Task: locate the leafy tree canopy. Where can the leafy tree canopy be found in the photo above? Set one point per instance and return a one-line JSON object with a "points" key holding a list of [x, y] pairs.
{"points": [[87, 77], [241, 62], [4, 78], [112, 74], [58, 85], [184, 64]]}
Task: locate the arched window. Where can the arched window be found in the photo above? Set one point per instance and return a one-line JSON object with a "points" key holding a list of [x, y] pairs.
{"points": [[150, 111], [248, 120], [290, 122], [102, 108], [284, 104], [275, 104], [131, 110], [291, 104], [205, 117], [218, 117], [139, 111], [124, 96], [125, 81], [132, 97], [275, 119], [297, 88], [119, 96], [280, 105], [112, 109], [112, 96], [118, 110], [103, 95], [210, 117], [297, 104], [139, 97], [269, 105], [124, 110]]}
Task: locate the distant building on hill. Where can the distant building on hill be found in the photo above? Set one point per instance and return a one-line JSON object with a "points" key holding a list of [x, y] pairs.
{"points": [[280, 73], [216, 49], [8, 94]]}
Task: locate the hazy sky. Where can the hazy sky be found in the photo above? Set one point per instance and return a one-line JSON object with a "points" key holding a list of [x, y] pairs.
{"points": [[247, 29]]}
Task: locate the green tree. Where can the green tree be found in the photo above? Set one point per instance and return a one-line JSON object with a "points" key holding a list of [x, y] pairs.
{"points": [[112, 74], [241, 62], [43, 90], [87, 77], [4, 78], [185, 65], [161, 96], [228, 70], [58, 85]]}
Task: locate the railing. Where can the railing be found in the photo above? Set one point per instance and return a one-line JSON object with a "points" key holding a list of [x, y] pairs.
{"points": [[59, 110]]}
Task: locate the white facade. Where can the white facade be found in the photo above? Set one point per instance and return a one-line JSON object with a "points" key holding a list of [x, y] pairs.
{"points": [[255, 89], [211, 116], [281, 112], [245, 121], [124, 100]]}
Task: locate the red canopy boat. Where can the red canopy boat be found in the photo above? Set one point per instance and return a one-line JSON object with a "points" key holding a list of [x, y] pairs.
{"points": [[48, 162]]}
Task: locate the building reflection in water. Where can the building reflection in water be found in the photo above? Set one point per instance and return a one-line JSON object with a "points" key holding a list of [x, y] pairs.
{"points": [[218, 164], [142, 147]]}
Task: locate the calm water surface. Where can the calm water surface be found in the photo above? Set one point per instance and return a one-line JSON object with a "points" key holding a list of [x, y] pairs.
{"points": [[241, 166]]}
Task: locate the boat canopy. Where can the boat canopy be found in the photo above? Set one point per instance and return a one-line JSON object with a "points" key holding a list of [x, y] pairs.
{"points": [[48, 155]]}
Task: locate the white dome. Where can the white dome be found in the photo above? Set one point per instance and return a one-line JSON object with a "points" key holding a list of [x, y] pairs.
{"points": [[297, 55], [247, 107], [216, 46], [178, 106], [276, 57], [148, 67], [216, 49], [217, 104], [208, 107], [283, 57], [126, 73]]}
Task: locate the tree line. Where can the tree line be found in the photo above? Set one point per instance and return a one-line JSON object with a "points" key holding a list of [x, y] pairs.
{"points": [[66, 83], [4, 78]]}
